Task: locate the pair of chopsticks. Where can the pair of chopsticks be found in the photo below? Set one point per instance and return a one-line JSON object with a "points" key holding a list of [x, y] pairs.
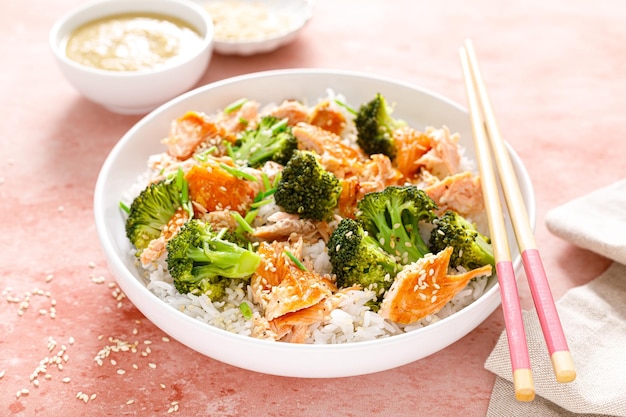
{"points": [[485, 131]]}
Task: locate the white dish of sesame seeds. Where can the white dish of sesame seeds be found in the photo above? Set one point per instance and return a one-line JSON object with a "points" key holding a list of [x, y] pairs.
{"points": [[248, 27], [127, 162]]}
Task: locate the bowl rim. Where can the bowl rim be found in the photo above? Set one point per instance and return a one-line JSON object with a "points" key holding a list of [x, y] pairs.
{"points": [[63, 27], [492, 294]]}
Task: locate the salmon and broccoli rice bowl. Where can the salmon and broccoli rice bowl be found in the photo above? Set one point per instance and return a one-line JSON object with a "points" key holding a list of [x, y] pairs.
{"points": [[317, 223]]}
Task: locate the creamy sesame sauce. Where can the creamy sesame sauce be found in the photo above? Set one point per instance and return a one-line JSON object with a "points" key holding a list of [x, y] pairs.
{"points": [[131, 42]]}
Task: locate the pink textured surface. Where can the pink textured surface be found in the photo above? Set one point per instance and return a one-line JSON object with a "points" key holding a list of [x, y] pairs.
{"points": [[555, 72]]}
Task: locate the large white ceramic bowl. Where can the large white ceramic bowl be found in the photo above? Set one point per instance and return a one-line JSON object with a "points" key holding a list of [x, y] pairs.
{"points": [[128, 158], [134, 92]]}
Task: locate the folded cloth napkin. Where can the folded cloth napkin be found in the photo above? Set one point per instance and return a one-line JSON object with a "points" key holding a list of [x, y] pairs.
{"points": [[593, 318]]}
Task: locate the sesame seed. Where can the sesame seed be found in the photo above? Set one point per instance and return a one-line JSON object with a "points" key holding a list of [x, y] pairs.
{"points": [[152, 365], [36, 383], [134, 365], [25, 391], [433, 299], [4, 371], [162, 386], [121, 372], [93, 396], [165, 339], [66, 380]]}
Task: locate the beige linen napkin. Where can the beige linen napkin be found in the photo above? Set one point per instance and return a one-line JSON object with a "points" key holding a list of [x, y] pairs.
{"points": [[593, 318]]}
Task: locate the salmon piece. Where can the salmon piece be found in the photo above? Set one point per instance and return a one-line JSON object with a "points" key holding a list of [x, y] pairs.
{"points": [[411, 145], [294, 111], [212, 187], [459, 192], [221, 219], [335, 155], [280, 287], [243, 118], [328, 118], [443, 158], [424, 287], [314, 138], [190, 131], [378, 173], [294, 327], [349, 196], [281, 225]]}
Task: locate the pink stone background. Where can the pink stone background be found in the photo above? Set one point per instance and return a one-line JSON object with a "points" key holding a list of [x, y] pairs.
{"points": [[556, 71]]}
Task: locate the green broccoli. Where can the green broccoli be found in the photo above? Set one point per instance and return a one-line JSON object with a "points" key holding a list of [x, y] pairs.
{"points": [[307, 189], [356, 258], [392, 217], [200, 260], [150, 211], [272, 139], [375, 127], [472, 249]]}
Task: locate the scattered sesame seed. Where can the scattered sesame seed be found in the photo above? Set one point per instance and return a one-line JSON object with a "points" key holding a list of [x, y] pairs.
{"points": [[66, 380], [93, 396], [162, 386], [4, 371], [129, 402], [165, 339], [121, 372], [92, 265], [25, 391], [134, 365], [152, 365]]}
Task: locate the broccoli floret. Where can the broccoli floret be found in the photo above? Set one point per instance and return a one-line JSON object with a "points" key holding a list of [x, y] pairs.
{"points": [[357, 259], [375, 127], [472, 249], [272, 139], [392, 217], [199, 260], [150, 211], [307, 189]]}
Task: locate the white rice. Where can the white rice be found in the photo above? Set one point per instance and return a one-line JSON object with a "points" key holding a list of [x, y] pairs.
{"points": [[352, 321]]}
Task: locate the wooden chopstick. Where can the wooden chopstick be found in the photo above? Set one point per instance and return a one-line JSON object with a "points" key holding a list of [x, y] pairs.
{"points": [[560, 356], [518, 348]]}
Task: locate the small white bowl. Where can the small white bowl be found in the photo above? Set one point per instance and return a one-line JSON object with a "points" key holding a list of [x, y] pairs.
{"points": [[135, 92], [285, 17]]}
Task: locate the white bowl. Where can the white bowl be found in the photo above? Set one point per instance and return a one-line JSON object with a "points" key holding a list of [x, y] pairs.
{"points": [[288, 15], [134, 92], [127, 161]]}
